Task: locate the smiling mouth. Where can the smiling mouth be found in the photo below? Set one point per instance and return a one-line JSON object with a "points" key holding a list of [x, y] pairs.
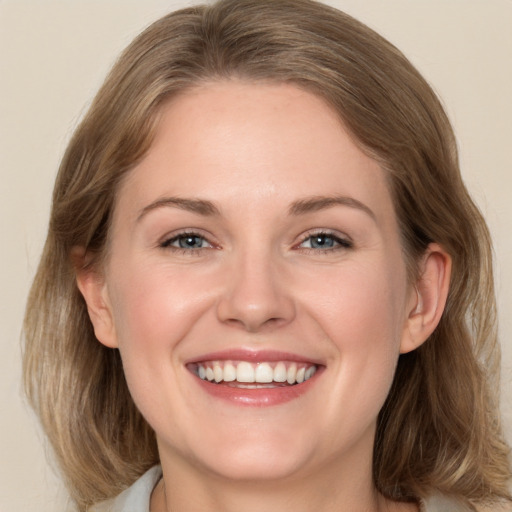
{"points": [[249, 375]]}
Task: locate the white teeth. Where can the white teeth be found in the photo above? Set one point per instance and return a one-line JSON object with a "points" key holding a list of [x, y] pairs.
{"points": [[264, 373], [255, 373], [280, 372], [229, 372], [291, 374], [217, 372], [310, 372], [244, 372]]}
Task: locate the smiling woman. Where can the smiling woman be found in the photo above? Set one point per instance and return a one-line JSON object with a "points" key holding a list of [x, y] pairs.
{"points": [[265, 280]]}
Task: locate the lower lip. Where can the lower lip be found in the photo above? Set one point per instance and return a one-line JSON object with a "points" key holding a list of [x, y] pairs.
{"points": [[259, 397]]}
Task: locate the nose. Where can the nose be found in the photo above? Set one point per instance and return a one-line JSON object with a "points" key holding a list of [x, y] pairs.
{"points": [[255, 295]]}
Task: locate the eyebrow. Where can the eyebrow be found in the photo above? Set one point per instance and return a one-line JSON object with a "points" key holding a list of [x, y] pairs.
{"points": [[200, 206], [316, 203], [300, 207]]}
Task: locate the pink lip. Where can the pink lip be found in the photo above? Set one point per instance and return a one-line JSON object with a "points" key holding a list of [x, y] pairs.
{"points": [[257, 397], [253, 356], [261, 397]]}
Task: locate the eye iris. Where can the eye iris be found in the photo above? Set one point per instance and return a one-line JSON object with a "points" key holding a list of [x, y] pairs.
{"points": [[190, 242], [322, 241]]}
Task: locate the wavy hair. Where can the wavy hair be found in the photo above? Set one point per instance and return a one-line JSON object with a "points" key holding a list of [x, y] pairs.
{"points": [[439, 429]]}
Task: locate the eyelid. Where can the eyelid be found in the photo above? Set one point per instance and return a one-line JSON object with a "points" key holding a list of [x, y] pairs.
{"points": [[343, 240], [166, 240]]}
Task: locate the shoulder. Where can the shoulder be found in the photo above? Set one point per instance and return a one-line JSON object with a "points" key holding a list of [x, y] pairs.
{"points": [[504, 507], [134, 499], [442, 503]]}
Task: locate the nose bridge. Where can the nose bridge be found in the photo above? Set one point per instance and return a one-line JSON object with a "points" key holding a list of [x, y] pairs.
{"points": [[255, 295]]}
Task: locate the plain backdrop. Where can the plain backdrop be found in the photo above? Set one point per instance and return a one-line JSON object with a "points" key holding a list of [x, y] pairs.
{"points": [[55, 54]]}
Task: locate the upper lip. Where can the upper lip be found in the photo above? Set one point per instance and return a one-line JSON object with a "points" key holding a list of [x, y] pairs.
{"points": [[251, 355]]}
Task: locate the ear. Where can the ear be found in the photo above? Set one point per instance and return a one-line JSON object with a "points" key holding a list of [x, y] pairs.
{"points": [[92, 285], [428, 298]]}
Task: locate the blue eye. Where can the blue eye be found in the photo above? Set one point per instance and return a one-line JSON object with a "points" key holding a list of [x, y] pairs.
{"points": [[324, 241], [186, 241]]}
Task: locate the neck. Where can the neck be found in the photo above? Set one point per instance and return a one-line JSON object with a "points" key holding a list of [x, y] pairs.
{"points": [[335, 487]]}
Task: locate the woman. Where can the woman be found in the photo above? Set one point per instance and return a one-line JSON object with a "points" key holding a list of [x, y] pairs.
{"points": [[265, 281]]}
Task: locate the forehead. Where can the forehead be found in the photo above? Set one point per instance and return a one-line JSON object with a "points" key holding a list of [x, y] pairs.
{"points": [[236, 141]]}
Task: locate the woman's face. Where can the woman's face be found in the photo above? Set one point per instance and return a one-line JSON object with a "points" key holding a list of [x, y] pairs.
{"points": [[256, 286]]}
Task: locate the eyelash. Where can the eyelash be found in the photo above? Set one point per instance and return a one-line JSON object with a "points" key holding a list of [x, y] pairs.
{"points": [[339, 243], [167, 243]]}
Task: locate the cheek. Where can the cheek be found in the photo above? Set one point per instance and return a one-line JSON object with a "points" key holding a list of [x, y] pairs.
{"points": [[362, 317], [154, 311], [360, 309], [155, 307], [365, 327]]}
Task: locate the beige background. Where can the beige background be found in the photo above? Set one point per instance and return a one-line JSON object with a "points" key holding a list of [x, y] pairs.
{"points": [[54, 55]]}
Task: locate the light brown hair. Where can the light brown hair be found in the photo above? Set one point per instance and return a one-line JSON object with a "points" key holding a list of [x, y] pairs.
{"points": [[439, 430]]}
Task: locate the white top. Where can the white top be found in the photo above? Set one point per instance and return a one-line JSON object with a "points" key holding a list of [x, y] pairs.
{"points": [[134, 499], [137, 497]]}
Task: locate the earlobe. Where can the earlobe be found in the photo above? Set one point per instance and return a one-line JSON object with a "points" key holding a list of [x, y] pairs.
{"points": [[428, 299], [93, 288]]}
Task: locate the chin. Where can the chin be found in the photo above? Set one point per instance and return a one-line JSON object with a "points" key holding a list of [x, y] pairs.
{"points": [[259, 455], [256, 464]]}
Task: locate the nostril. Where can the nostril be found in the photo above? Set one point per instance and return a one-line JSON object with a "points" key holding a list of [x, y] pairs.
{"points": [[253, 320], [254, 326], [254, 300]]}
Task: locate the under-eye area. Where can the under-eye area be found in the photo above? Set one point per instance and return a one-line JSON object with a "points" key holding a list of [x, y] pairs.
{"points": [[254, 375]]}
